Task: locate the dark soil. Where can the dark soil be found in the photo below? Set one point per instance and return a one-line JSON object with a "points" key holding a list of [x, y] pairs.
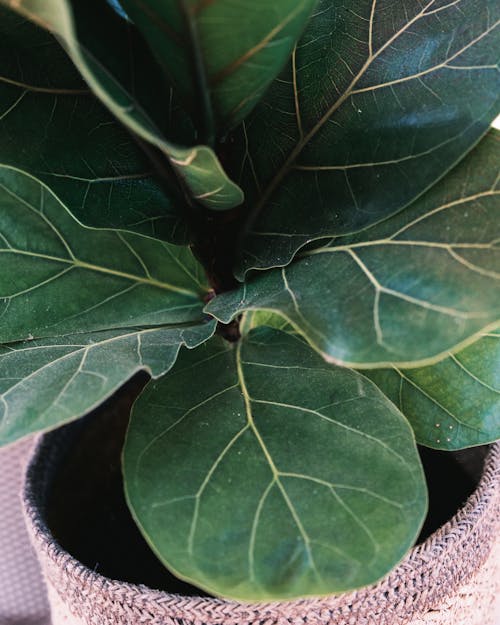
{"points": [[89, 517]]}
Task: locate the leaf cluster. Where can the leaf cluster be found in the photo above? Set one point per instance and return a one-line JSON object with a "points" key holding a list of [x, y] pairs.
{"points": [[285, 211]]}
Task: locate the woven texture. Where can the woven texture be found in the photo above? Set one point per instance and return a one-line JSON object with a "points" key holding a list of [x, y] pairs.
{"points": [[451, 579], [22, 592]]}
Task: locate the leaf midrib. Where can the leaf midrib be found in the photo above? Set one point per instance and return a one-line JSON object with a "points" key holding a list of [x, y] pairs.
{"points": [[79, 264], [392, 240], [229, 69], [276, 473], [305, 138], [40, 89], [74, 349]]}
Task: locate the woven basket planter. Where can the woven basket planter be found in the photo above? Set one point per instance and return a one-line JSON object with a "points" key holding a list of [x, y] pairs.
{"points": [[452, 578], [22, 592]]}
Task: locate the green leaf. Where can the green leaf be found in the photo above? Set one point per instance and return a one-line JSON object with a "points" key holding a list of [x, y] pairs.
{"points": [[280, 476], [256, 318], [53, 127], [454, 404], [221, 55], [99, 43], [58, 277], [379, 101], [405, 291], [45, 383]]}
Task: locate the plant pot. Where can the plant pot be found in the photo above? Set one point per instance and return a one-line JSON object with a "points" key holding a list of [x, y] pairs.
{"points": [[450, 578], [22, 592]]}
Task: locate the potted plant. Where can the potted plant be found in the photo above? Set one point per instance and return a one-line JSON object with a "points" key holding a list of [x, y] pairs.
{"points": [[287, 214]]}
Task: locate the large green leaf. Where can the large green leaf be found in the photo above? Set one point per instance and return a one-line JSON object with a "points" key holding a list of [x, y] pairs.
{"points": [[455, 403], [102, 44], [380, 99], [280, 476], [221, 55], [405, 291], [58, 277], [45, 383], [53, 127]]}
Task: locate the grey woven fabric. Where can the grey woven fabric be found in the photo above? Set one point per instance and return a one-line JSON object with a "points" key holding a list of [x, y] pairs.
{"points": [[450, 579], [22, 591]]}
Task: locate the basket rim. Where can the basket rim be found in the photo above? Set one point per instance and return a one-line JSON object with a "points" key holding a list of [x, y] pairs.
{"points": [[473, 524]]}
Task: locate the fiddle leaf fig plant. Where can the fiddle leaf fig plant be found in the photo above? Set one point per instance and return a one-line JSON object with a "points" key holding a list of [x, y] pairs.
{"points": [[288, 215]]}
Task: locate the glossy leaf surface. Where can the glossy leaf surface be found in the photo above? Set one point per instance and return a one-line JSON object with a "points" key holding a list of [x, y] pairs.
{"points": [[405, 291], [279, 476], [54, 128], [221, 55], [102, 44], [379, 101], [58, 278], [455, 403], [256, 318], [46, 383]]}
